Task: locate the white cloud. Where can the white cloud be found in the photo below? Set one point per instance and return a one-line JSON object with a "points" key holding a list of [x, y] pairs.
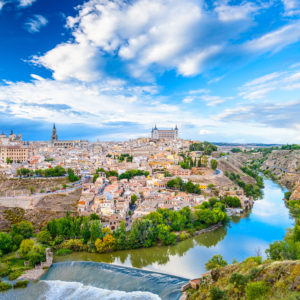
{"points": [[260, 87], [25, 3], [35, 23], [292, 7], [232, 13], [205, 131], [188, 99], [276, 40], [151, 35], [2, 3], [69, 61]]}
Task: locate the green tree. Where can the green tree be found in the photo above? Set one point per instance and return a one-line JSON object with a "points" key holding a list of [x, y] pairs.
{"points": [[215, 262], [133, 199], [85, 232], [24, 228], [214, 164], [26, 247], [6, 243], [43, 237]]}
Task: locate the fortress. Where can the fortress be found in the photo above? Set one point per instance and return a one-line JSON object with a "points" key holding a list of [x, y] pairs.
{"points": [[169, 134]]}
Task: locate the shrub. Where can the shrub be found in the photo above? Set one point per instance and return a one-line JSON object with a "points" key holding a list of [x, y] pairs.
{"points": [[216, 293], [4, 286], [253, 273], [21, 284], [256, 290], [24, 228], [4, 270], [15, 274], [62, 252], [5, 242], [26, 247], [75, 245], [238, 280], [43, 237], [216, 261]]}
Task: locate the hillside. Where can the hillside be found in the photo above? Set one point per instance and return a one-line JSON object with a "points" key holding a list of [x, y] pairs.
{"points": [[284, 165], [248, 280]]}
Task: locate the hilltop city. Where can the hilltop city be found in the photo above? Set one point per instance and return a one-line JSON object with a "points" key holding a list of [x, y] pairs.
{"points": [[118, 181]]}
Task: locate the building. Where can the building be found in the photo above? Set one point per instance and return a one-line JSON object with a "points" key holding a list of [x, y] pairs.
{"points": [[54, 137], [12, 138], [66, 143], [16, 153], [169, 134]]}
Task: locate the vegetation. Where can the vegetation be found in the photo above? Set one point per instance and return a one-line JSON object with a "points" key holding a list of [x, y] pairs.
{"points": [[249, 189], [236, 150], [250, 279], [214, 164], [206, 147], [215, 262], [133, 173], [188, 187], [290, 147]]}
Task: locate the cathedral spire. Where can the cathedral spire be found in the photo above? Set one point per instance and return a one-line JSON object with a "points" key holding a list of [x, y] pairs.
{"points": [[54, 134]]}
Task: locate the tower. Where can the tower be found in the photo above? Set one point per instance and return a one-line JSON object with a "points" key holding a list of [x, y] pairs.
{"points": [[176, 132], [54, 134]]}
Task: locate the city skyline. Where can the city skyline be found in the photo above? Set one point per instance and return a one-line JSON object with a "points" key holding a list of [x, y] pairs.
{"points": [[222, 71]]}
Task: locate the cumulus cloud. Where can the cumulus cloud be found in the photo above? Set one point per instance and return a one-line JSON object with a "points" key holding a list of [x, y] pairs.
{"points": [[35, 23], [150, 35], [232, 13], [292, 7]]}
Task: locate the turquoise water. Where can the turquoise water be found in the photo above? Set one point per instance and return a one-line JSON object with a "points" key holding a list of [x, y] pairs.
{"points": [[246, 236]]}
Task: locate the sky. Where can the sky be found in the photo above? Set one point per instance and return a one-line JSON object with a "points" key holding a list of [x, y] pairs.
{"points": [[223, 71]]}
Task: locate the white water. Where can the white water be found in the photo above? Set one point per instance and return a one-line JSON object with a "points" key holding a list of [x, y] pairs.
{"points": [[64, 290]]}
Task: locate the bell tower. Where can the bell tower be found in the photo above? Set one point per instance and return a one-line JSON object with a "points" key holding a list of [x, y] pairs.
{"points": [[54, 134]]}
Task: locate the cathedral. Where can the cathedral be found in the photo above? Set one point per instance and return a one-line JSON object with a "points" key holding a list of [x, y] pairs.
{"points": [[169, 134], [66, 143]]}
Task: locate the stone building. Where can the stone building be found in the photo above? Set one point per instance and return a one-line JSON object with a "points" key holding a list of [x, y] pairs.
{"points": [[16, 153], [168, 134]]}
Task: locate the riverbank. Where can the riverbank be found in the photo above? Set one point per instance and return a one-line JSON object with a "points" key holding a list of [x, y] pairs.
{"points": [[40, 269], [244, 236], [268, 280]]}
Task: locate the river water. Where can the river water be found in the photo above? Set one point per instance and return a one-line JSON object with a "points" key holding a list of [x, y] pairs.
{"points": [[87, 275]]}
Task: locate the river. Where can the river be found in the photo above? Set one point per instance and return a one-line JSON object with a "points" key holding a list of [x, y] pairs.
{"points": [[245, 236]]}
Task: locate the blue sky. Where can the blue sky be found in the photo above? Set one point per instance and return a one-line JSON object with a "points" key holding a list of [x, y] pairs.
{"points": [[221, 70]]}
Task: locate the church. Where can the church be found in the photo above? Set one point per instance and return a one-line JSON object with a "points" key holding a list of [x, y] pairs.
{"points": [[168, 134], [66, 143]]}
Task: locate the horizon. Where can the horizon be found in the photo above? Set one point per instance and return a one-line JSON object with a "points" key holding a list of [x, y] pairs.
{"points": [[224, 71]]}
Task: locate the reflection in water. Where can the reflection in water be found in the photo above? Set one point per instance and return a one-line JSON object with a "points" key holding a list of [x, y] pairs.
{"points": [[266, 223], [140, 258]]}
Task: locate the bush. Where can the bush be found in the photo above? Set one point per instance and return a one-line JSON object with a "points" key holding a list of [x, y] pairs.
{"points": [[253, 273], [75, 245], [256, 290], [5, 243], [238, 280], [24, 228], [216, 293], [43, 237], [21, 284], [216, 261], [4, 286], [26, 247], [62, 252], [15, 274]]}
